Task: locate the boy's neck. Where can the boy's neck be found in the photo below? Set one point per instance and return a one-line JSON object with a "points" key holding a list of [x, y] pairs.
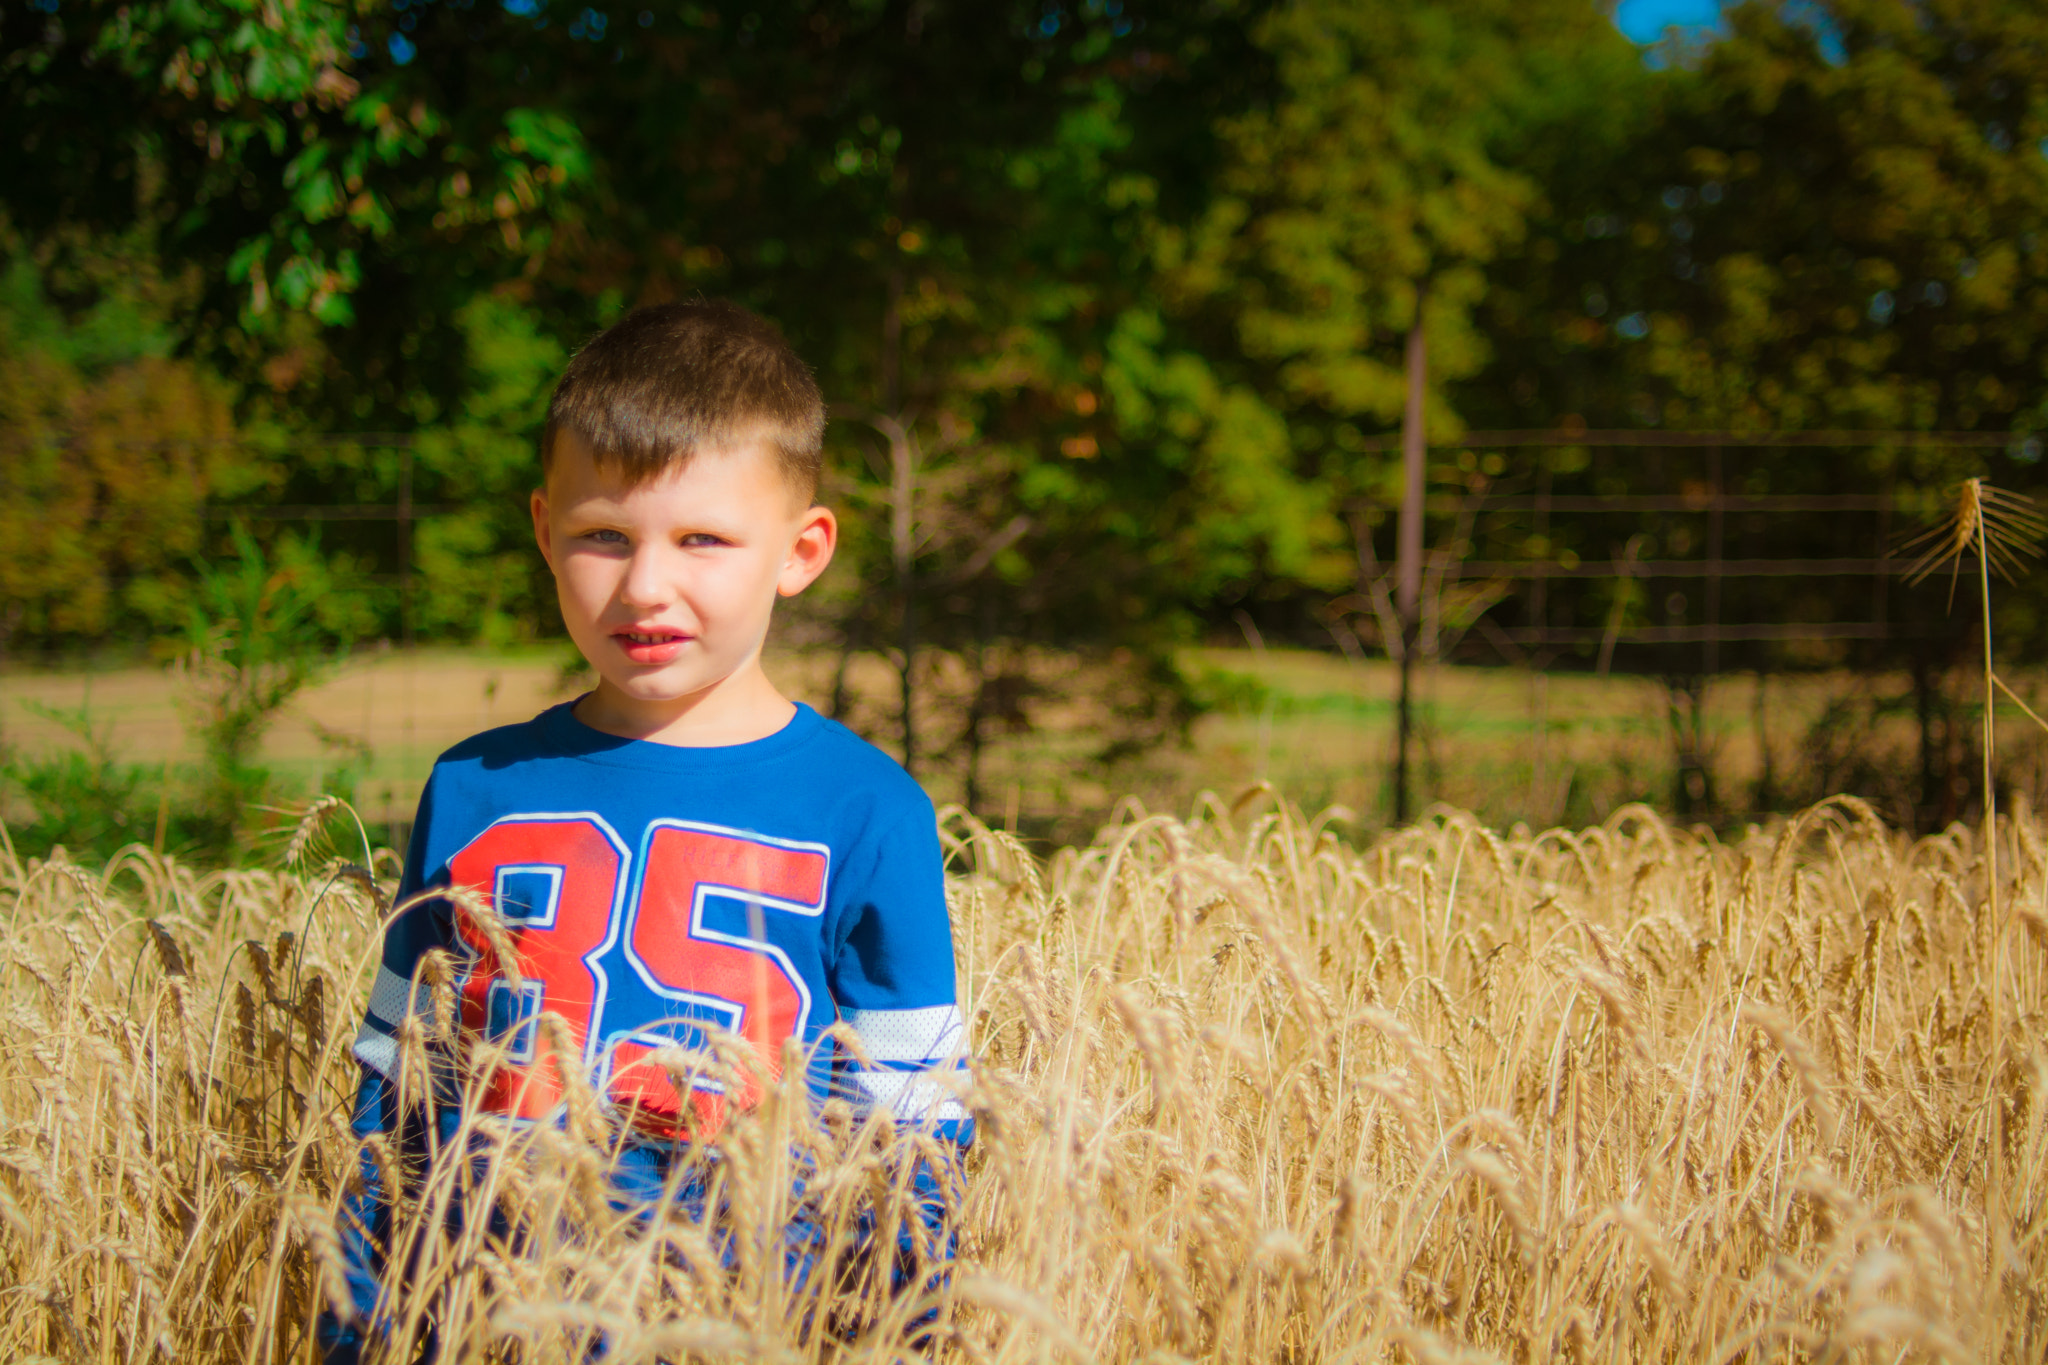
{"points": [[737, 710]]}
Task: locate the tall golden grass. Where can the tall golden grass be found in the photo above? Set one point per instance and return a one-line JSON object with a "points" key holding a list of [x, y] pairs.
{"points": [[1244, 1092]]}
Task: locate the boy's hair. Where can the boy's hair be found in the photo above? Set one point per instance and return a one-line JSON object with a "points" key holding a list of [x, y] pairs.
{"points": [[652, 389]]}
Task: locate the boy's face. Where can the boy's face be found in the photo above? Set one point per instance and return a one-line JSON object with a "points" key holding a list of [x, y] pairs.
{"points": [[667, 587]]}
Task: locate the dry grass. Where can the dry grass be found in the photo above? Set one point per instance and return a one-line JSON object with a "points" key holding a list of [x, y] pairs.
{"points": [[1508, 744], [1244, 1093]]}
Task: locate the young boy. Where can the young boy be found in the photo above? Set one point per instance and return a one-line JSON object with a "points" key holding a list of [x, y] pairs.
{"points": [[681, 845]]}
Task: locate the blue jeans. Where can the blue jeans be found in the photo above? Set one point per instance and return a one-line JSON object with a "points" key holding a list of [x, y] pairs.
{"points": [[638, 1178]]}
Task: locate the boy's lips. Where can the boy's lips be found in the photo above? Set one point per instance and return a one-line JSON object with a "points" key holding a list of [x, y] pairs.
{"points": [[654, 645]]}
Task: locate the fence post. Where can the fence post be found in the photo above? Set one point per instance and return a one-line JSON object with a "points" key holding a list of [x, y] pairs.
{"points": [[1714, 540], [405, 545], [1408, 585]]}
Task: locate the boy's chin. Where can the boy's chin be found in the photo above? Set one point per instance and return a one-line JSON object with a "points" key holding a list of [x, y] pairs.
{"points": [[724, 711], [655, 694]]}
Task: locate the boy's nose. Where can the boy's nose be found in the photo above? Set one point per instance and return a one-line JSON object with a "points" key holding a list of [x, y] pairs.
{"points": [[647, 582]]}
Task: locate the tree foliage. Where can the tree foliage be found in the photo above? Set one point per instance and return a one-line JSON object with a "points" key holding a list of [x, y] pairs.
{"points": [[1121, 284], [110, 446]]}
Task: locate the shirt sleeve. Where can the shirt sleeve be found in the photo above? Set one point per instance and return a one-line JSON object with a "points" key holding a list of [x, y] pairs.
{"points": [[366, 1210], [893, 981], [394, 995]]}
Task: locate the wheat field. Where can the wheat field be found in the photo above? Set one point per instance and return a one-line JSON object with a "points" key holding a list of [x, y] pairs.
{"points": [[1243, 1092]]}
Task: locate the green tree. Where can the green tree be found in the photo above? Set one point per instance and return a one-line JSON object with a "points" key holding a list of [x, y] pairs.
{"points": [[1361, 207], [476, 571], [279, 146], [110, 446], [1828, 217], [260, 627], [1370, 193], [1852, 221]]}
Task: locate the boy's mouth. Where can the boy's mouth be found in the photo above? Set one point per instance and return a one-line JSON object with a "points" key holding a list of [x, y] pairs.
{"points": [[651, 646]]}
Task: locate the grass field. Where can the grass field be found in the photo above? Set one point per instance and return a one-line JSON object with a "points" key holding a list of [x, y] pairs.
{"points": [[1506, 744], [1244, 1092]]}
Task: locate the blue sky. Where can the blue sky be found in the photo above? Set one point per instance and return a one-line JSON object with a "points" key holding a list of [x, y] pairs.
{"points": [[1644, 21]]}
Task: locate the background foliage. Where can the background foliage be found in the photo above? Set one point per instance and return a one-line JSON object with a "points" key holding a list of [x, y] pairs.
{"points": [[1123, 284]]}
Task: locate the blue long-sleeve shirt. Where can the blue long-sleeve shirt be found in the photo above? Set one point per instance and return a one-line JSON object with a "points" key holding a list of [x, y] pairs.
{"points": [[770, 888]]}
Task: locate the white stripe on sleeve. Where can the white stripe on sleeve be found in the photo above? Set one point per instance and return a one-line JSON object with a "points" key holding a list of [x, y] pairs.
{"points": [[932, 1034], [912, 1096], [377, 1050], [389, 997]]}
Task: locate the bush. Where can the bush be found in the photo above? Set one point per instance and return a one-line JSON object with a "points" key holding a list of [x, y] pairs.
{"points": [[84, 799]]}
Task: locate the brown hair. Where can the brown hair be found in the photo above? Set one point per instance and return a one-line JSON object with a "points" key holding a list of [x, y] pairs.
{"points": [[652, 389]]}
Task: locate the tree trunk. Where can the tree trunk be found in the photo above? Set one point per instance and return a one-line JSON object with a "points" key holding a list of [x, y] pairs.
{"points": [[902, 519], [1764, 796], [977, 713], [848, 645], [1932, 781], [901, 528], [1685, 706]]}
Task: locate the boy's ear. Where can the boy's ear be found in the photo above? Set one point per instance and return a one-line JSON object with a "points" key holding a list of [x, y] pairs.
{"points": [[540, 526], [817, 536]]}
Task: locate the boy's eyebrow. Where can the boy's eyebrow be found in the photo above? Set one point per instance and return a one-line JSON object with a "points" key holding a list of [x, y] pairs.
{"points": [[601, 510]]}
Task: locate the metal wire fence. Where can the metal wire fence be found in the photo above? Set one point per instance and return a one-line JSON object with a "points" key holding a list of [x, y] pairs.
{"points": [[1631, 521]]}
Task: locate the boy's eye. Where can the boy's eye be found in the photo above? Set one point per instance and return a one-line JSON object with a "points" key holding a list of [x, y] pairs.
{"points": [[606, 536], [697, 539]]}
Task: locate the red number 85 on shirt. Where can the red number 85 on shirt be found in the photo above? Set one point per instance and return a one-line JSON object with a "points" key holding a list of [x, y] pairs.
{"points": [[561, 885]]}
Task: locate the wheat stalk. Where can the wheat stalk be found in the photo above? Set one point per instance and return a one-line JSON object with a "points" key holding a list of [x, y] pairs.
{"points": [[1244, 1092], [2005, 531], [2002, 529]]}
